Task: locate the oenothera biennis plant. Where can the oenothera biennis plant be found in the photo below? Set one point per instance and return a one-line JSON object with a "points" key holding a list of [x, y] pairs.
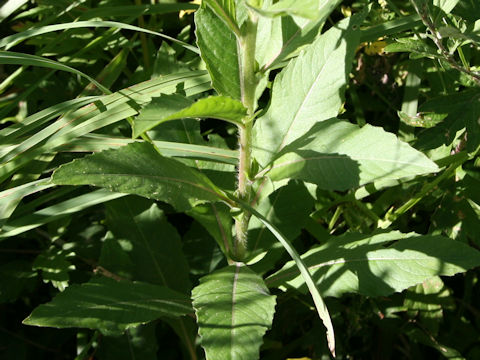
{"points": [[250, 199]]}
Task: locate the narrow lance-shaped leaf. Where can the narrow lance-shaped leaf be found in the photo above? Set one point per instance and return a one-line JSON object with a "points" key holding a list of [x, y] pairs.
{"points": [[12, 40], [362, 263], [218, 48], [138, 169], [109, 306], [302, 267], [234, 310], [310, 89], [14, 58], [174, 107], [338, 155]]}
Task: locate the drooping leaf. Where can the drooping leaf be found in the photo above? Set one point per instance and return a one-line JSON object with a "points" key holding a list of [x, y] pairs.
{"points": [[300, 265], [367, 265], [218, 48], [109, 306], [174, 107], [138, 169], [234, 310], [309, 90], [337, 155]]}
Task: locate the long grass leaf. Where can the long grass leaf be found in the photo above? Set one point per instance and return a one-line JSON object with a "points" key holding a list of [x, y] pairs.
{"points": [[12, 40]]}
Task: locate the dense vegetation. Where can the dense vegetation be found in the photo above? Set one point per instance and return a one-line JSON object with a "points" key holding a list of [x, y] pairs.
{"points": [[239, 179]]}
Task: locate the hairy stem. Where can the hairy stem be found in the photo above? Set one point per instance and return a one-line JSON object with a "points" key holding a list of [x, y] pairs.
{"points": [[248, 82]]}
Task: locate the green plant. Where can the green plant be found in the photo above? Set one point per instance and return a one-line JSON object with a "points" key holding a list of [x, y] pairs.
{"points": [[200, 216]]}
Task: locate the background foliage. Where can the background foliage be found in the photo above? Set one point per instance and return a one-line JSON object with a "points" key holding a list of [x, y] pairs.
{"points": [[415, 74]]}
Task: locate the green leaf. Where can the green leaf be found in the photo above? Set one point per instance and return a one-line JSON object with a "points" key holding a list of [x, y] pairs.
{"points": [[302, 267], [54, 212], [218, 48], [137, 343], [337, 155], [155, 246], [310, 9], [293, 33], [368, 265], [12, 40], [109, 306], [97, 142], [138, 169], [225, 10], [217, 220], [234, 310], [14, 58], [174, 107], [310, 89], [287, 208], [55, 265], [10, 198]]}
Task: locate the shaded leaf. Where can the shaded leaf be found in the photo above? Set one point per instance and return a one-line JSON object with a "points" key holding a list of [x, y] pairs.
{"points": [[337, 155], [234, 310], [155, 246]]}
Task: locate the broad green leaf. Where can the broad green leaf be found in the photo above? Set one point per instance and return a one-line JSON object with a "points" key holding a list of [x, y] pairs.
{"points": [[293, 33], [174, 107], [234, 310], [337, 155], [367, 264], [156, 248], [218, 48], [109, 306], [225, 10], [310, 9], [310, 89], [138, 169]]}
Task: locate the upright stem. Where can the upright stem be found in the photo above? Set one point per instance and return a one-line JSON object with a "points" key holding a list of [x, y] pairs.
{"points": [[248, 83]]}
